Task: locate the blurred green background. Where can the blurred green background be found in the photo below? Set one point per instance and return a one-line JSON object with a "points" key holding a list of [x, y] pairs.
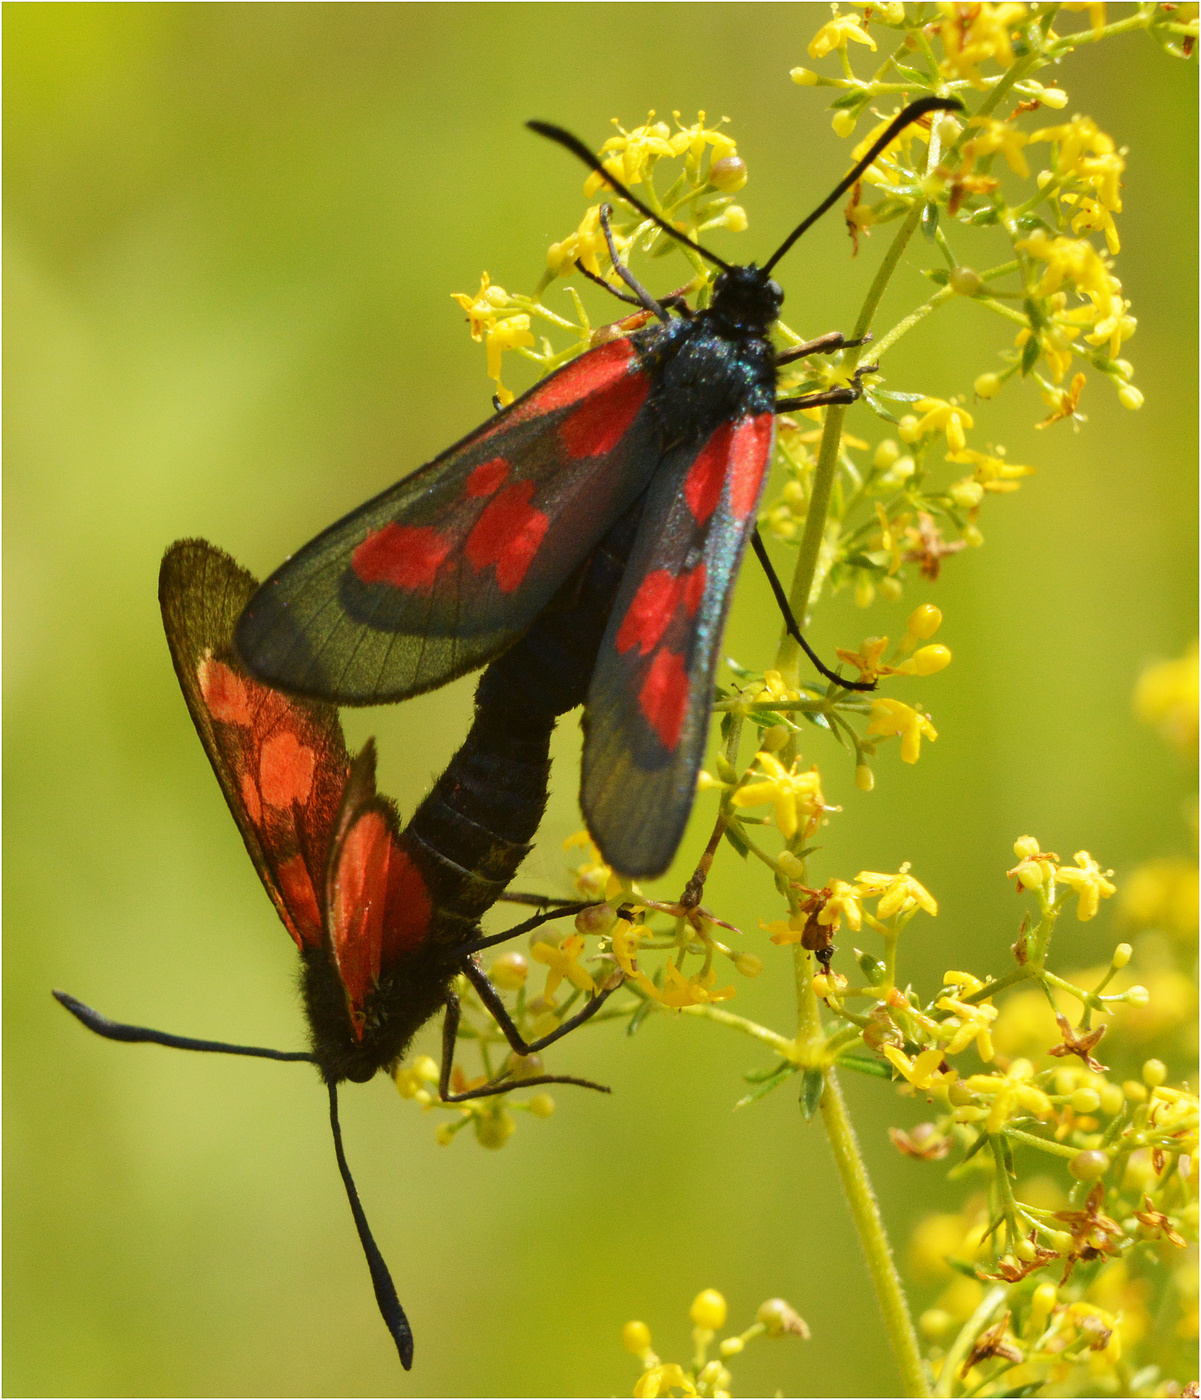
{"points": [[232, 231]]}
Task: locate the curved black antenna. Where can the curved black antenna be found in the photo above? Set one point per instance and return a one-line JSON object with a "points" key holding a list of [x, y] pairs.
{"points": [[381, 1280], [898, 124], [577, 148], [117, 1030]]}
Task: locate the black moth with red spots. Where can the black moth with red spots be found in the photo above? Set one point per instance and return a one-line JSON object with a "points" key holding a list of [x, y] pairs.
{"points": [[384, 919], [446, 569]]}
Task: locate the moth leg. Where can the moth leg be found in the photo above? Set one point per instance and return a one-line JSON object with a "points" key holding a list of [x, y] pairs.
{"points": [[845, 393], [790, 622], [527, 925], [823, 345], [506, 1083], [644, 297]]}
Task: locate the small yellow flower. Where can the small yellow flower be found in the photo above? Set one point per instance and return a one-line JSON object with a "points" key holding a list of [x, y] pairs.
{"points": [[971, 34], [661, 1380], [586, 246], [837, 33], [690, 141], [891, 717], [841, 902], [969, 1022], [991, 473], [944, 417], [482, 308], [624, 939], [679, 991], [1089, 881], [990, 136], [505, 335], [1077, 262], [632, 152], [1166, 696], [897, 893], [797, 796], [1011, 1093], [921, 1070], [562, 963]]}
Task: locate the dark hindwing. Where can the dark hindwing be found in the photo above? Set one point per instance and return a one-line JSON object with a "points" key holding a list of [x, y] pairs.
{"points": [[443, 571], [281, 762], [648, 709]]}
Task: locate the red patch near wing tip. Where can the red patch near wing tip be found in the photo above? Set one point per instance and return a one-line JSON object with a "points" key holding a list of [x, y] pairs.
{"points": [[410, 908], [487, 478], [404, 556], [224, 691], [508, 534], [592, 371], [663, 697], [358, 904], [652, 607], [286, 768]]}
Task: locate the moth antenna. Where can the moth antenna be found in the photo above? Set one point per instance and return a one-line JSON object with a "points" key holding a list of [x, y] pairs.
{"points": [[898, 124], [117, 1030], [381, 1280], [577, 148]]}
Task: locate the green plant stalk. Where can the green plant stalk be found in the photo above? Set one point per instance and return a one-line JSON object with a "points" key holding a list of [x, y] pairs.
{"points": [[890, 1293], [789, 654]]}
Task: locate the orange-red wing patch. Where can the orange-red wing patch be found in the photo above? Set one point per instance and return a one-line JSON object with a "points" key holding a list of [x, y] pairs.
{"points": [[707, 475], [663, 697], [654, 605], [224, 691], [596, 427], [286, 768], [358, 899], [410, 908], [487, 478], [508, 534], [596, 369], [405, 556], [751, 451]]}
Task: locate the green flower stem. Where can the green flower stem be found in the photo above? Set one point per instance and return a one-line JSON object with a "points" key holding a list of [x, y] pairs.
{"points": [[889, 1292], [779, 1043], [1056, 1149], [962, 1345]]}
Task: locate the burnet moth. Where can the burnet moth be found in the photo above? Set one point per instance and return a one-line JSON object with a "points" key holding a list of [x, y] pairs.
{"points": [[384, 919], [444, 570]]}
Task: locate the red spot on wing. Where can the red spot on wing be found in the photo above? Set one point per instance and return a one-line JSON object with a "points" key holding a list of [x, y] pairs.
{"points": [[405, 556], [707, 475], [224, 691], [751, 450], [649, 613], [487, 478], [508, 534], [595, 369], [357, 905], [663, 697], [286, 768], [410, 908], [599, 425], [694, 588], [250, 799], [654, 605], [300, 900]]}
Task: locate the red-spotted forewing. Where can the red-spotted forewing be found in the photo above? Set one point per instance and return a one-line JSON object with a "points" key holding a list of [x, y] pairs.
{"points": [[646, 721], [446, 569]]}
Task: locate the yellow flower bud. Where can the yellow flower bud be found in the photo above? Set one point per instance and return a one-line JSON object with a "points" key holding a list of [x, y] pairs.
{"points": [[907, 428], [493, 1130], [1136, 996], [987, 386], [803, 77], [972, 537], [1030, 873], [1134, 1091], [1130, 397], [1053, 97], [444, 1134], [1025, 1251], [886, 454], [542, 1105], [1042, 1301], [1026, 847], [928, 660], [1112, 1099], [731, 1346], [843, 123], [865, 779], [790, 865], [1086, 1100], [509, 971], [1122, 955], [1154, 1073], [734, 218], [964, 282], [1088, 1166], [1066, 1079], [728, 174], [708, 1309], [776, 737], [967, 494], [947, 129], [636, 1337], [598, 920], [748, 964]]}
